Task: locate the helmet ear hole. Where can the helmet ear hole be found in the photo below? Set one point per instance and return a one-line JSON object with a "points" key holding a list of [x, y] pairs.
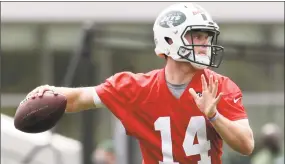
{"points": [[168, 40]]}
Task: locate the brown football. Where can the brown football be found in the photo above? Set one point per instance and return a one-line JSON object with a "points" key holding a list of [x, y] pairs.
{"points": [[39, 114]]}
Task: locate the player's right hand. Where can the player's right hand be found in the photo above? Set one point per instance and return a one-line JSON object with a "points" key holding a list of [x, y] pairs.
{"points": [[207, 103], [39, 91]]}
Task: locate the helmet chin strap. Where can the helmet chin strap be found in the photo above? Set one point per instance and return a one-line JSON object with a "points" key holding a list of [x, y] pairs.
{"points": [[202, 59], [198, 66]]}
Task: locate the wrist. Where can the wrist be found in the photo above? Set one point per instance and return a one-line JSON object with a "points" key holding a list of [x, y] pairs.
{"points": [[214, 116]]}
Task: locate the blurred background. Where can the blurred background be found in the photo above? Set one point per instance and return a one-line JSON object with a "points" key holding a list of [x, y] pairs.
{"points": [[83, 43]]}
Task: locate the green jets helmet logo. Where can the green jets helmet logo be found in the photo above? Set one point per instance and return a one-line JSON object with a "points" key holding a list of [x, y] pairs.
{"points": [[172, 18]]}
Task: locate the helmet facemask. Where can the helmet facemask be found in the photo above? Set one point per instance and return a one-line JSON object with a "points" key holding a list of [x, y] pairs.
{"points": [[203, 54]]}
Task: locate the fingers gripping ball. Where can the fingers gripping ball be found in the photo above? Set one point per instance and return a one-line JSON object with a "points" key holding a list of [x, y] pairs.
{"points": [[39, 114]]}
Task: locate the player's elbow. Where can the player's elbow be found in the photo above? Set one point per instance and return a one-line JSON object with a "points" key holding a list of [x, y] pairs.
{"points": [[247, 143], [248, 151], [248, 148]]}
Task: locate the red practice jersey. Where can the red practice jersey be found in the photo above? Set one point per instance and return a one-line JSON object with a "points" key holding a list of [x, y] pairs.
{"points": [[169, 130]]}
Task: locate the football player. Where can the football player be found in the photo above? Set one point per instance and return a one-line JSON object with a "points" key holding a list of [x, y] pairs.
{"points": [[182, 113]]}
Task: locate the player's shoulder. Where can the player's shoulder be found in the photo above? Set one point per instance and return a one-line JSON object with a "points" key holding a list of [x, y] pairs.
{"points": [[138, 78], [226, 84]]}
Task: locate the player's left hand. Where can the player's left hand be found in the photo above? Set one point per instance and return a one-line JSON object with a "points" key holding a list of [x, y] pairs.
{"points": [[208, 101]]}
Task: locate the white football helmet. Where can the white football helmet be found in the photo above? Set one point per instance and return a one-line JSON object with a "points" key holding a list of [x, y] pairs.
{"points": [[177, 20]]}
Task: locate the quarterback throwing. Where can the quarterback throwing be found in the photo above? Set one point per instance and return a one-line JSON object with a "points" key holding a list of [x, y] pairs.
{"points": [[184, 112]]}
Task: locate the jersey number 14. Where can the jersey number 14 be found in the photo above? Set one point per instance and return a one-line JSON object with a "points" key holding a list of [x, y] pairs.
{"points": [[196, 126]]}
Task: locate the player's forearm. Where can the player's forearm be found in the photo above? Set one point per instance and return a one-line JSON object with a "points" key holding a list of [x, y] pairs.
{"points": [[237, 136], [78, 99]]}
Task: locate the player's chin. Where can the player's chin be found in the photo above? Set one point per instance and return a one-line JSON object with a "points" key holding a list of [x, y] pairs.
{"points": [[201, 51]]}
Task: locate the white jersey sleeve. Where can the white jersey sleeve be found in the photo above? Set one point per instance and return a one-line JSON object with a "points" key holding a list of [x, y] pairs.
{"points": [[97, 101]]}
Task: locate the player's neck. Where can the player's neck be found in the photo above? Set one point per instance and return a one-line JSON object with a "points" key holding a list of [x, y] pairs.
{"points": [[178, 72]]}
